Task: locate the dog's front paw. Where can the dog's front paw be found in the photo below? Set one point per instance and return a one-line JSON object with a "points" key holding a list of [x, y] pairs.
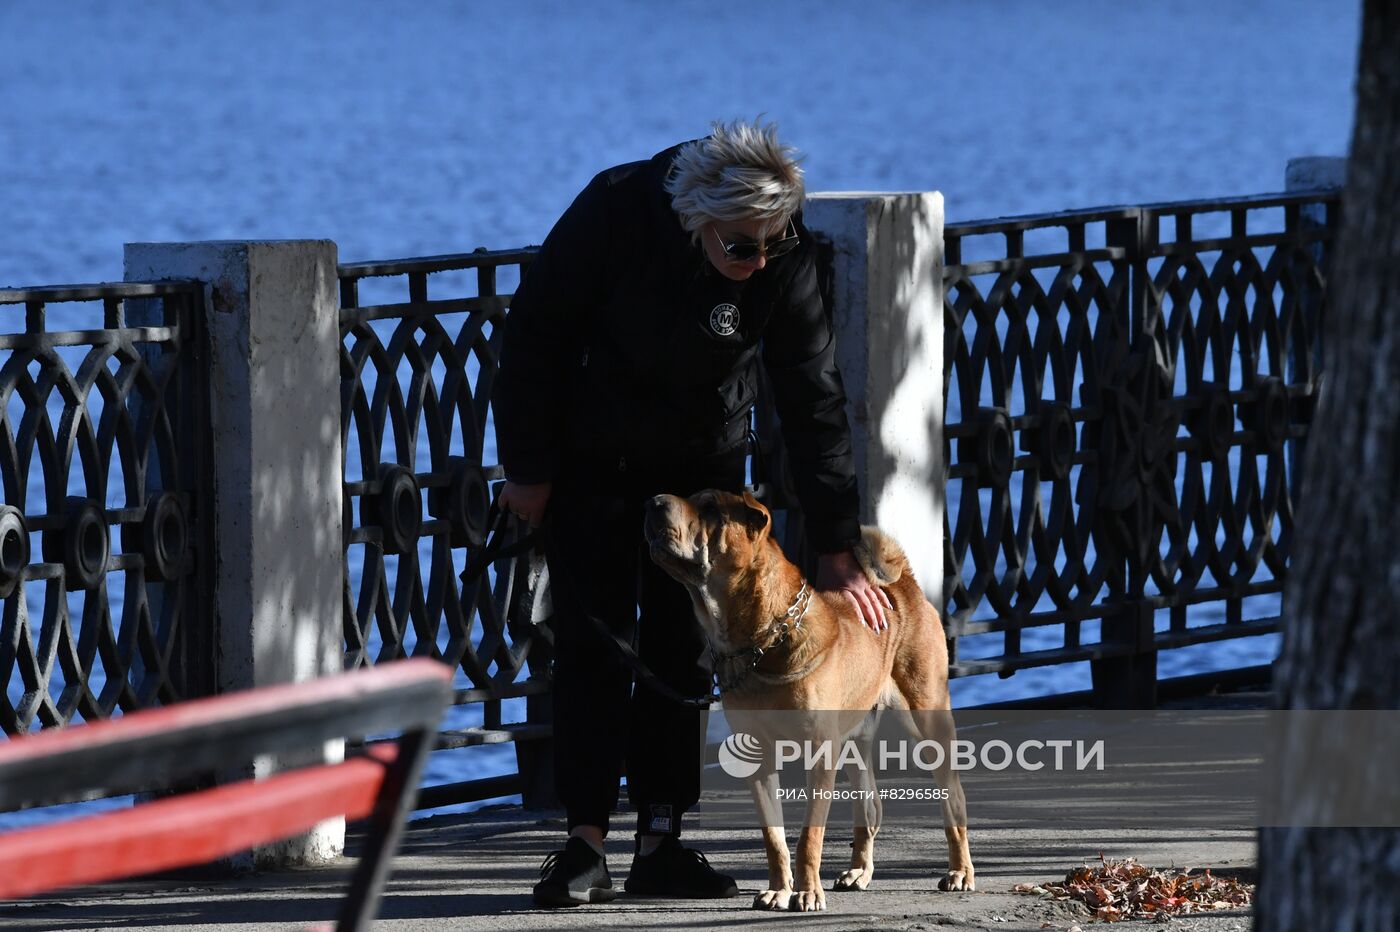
{"points": [[957, 880], [772, 899], [808, 901], [857, 878]]}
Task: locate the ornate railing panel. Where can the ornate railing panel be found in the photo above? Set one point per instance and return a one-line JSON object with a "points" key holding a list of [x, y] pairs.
{"points": [[416, 376], [1124, 396], [1125, 392], [101, 433]]}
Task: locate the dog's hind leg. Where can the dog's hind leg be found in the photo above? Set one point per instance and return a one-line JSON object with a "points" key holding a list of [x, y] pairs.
{"points": [[938, 726], [865, 808], [921, 676], [764, 787]]}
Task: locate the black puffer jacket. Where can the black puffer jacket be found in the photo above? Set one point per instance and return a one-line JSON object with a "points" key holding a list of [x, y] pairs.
{"points": [[625, 349]]}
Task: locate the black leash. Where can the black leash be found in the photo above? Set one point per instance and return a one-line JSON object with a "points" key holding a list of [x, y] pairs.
{"points": [[497, 520], [639, 668]]}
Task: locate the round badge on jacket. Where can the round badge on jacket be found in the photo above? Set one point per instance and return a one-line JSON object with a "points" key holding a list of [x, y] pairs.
{"points": [[724, 320]]}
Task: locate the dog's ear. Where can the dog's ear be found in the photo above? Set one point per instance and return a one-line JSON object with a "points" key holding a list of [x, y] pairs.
{"points": [[756, 517]]}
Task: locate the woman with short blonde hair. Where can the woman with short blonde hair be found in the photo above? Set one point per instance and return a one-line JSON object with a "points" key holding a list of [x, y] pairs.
{"points": [[629, 368], [739, 172]]}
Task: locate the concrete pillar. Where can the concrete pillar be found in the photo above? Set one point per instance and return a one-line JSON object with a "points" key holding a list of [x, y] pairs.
{"points": [[271, 312], [1310, 172], [887, 303], [1313, 173]]}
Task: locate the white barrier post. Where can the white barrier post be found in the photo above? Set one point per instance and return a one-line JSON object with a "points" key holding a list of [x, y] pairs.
{"points": [[887, 299], [271, 312]]}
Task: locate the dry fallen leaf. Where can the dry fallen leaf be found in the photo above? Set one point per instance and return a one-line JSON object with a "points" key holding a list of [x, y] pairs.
{"points": [[1117, 890]]}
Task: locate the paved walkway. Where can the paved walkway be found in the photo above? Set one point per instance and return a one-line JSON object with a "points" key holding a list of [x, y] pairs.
{"points": [[474, 873]]}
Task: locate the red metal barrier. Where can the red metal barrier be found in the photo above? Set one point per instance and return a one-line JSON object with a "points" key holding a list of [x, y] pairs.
{"points": [[162, 746]]}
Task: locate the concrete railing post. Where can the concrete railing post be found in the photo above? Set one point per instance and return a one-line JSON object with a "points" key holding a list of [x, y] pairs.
{"points": [[270, 312], [1311, 173], [887, 305]]}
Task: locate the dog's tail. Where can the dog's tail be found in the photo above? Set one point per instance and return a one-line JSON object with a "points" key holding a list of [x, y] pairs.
{"points": [[882, 559]]}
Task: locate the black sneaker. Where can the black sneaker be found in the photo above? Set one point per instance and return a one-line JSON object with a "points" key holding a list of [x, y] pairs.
{"points": [[574, 876], [671, 870]]}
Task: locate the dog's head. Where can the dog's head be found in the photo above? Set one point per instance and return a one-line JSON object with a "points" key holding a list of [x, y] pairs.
{"points": [[709, 533]]}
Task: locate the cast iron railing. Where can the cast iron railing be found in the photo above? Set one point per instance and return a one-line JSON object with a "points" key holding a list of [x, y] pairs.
{"points": [[416, 376], [101, 443], [1125, 390]]}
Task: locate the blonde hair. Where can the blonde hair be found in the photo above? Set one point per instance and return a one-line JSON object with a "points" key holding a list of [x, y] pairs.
{"points": [[739, 172]]}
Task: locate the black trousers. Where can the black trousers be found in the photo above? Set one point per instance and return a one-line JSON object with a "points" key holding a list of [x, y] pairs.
{"points": [[598, 564]]}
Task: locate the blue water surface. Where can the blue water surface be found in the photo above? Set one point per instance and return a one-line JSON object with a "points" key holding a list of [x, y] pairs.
{"points": [[400, 130]]}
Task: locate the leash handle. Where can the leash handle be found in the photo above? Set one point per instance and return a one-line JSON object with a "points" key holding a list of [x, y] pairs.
{"points": [[494, 549]]}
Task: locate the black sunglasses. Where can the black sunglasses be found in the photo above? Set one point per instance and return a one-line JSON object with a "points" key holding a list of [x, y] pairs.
{"points": [[744, 250]]}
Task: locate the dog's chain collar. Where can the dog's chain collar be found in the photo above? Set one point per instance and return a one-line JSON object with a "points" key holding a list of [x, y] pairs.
{"points": [[748, 658]]}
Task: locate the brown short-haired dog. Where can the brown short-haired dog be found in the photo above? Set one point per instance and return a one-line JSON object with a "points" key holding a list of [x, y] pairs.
{"points": [[780, 645]]}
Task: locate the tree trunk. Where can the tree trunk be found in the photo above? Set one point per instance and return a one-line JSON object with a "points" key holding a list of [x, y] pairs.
{"points": [[1341, 645]]}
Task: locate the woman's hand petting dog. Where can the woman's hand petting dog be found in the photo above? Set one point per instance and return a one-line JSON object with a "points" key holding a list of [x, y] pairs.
{"points": [[841, 571]]}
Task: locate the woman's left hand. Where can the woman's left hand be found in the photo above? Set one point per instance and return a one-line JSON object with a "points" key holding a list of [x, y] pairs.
{"points": [[842, 571]]}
